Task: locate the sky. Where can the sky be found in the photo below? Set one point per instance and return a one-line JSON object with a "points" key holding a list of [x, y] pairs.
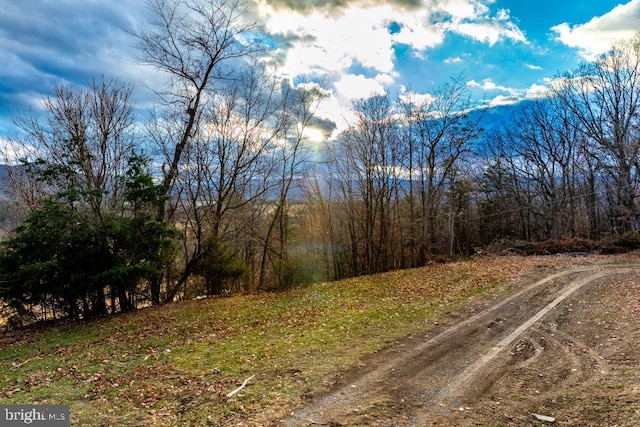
{"points": [[505, 50]]}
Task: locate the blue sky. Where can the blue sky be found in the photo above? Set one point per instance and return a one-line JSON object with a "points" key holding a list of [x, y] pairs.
{"points": [[507, 50]]}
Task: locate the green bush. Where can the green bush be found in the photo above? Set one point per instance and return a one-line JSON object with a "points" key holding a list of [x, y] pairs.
{"points": [[66, 260]]}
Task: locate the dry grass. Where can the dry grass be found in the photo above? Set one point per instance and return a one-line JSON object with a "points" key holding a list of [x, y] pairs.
{"points": [[174, 365]]}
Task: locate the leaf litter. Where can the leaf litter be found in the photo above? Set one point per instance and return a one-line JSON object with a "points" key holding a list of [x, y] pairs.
{"points": [[296, 342]]}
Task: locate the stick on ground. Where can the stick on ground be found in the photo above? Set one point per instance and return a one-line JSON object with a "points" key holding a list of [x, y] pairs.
{"points": [[231, 393]]}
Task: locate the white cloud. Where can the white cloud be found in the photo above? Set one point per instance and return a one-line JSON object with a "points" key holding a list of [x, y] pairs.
{"points": [[334, 110], [537, 91], [462, 9], [351, 46], [598, 35], [476, 22], [490, 32], [512, 95], [337, 107], [490, 85], [352, 86], [417, 98], [313, 134], [359, 33], [503, 15], [418, 35], [533, 67], [334, 43], [503, 100], [11, 152]]}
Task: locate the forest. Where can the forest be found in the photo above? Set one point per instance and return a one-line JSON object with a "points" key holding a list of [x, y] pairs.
{"points": [[218, 188]]}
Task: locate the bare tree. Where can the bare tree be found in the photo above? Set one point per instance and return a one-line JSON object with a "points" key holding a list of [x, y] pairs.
{"points": [[605, 97], [366, 161], [506, 198], [230, 162], [544, 140], [83, 145], [196, 44], [438, 133], [298, 106]]}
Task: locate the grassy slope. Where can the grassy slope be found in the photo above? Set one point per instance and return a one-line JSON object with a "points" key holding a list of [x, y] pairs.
{"points": [[174, 365]]}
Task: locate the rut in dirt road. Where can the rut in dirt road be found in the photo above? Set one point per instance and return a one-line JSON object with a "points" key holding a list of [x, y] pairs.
{"points": [[447, 370]]}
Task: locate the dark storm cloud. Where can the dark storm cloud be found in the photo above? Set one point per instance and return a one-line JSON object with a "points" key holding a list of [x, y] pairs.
{"points": [[44, 43], [305, 6], [287, 40], [65, 29], [325, 125]]}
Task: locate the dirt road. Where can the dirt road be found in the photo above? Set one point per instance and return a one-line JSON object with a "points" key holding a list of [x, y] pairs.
{"points": [[562, 349]]}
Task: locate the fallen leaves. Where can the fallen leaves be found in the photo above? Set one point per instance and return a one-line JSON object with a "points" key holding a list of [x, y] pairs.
{"points": [[176, 363]]}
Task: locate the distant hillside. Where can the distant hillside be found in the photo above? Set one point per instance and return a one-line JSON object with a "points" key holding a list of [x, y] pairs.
{"points": [[5, 169], [4, 172]]}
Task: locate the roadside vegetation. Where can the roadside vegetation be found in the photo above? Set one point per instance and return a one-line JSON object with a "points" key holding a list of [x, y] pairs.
{"points": [[174, 365]]}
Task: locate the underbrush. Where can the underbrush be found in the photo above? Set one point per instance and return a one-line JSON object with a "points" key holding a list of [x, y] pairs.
{"points": [[576, 246]]}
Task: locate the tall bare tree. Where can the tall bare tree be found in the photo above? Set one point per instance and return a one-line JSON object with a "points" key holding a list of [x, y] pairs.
{"points": [[506, 199], [544, 139], [230, 163], [297, 108], [196, 45], [604, 95], [366, 160], [439, 132]]}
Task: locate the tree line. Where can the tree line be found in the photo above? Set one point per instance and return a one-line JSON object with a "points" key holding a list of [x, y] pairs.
{"points": [[219, 190], [415, 178]]}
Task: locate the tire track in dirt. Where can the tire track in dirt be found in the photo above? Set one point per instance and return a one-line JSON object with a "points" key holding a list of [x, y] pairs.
{"points": [[462, 381], [449, 368]]}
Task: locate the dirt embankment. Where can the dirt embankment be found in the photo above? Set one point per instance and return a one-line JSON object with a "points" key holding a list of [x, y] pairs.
{"points": [[560, 348]]}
